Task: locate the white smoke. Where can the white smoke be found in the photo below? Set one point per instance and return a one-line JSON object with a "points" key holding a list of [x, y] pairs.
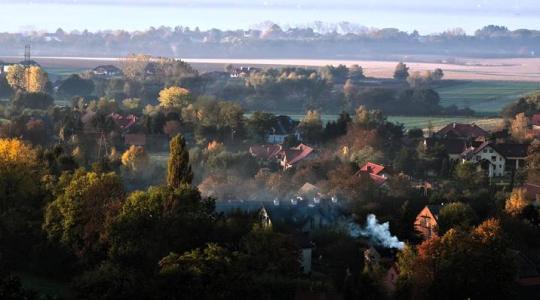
{"points": [[379, 234]]}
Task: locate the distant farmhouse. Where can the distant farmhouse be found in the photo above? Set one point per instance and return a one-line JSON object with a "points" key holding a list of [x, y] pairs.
{"points": [[106, 71], [242, 71]]}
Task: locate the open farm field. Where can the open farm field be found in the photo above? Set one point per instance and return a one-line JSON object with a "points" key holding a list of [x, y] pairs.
{"points": [[485, 85], [504, 69], [417, 121], [485, 97]]}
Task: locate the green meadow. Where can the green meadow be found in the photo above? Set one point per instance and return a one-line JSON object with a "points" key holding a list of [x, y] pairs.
{"points": [[485, 97]]}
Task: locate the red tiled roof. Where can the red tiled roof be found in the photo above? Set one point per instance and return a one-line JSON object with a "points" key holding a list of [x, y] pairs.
{"points": [[379, 180], [462, 131], [265, 151], [372, 168], [297, 154], [124, 122], [535, 120]]}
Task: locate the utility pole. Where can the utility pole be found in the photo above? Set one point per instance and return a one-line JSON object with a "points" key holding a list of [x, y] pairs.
{"points": [[26, 64], [27, 52]]}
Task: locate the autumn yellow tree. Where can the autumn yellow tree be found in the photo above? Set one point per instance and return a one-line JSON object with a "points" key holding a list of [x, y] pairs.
{"points": [[21, 198], [134, 65], [30, 79], [15, 77], [518, 127], [174, 97], [135, 158], [19, 175], [36, 79], [516, 203], [311, 126]]}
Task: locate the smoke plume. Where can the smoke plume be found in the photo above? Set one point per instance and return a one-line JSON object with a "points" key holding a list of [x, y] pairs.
{"points": [[379, 234]]}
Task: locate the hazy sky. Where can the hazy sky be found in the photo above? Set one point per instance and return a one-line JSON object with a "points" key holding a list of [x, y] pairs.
{"points": [[427, 16]]}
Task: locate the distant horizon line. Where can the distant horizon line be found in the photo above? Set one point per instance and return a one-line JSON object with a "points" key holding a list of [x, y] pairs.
{"points": [[265, 23]]}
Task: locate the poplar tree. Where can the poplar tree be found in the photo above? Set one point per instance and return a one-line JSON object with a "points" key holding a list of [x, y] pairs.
{"points": [[178, 168]]}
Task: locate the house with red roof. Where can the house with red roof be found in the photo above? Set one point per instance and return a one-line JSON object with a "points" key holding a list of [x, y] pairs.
{"points": [[290, 157], [124, 122], [426, 222], [461, 131], [287, 158], [376, 172], [265, 152]]}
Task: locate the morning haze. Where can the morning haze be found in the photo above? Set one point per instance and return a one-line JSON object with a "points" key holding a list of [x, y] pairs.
{"points": [[290, 150]]}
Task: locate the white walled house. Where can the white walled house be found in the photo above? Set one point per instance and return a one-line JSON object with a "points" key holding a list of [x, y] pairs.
{"points": [[282, 127], [497, 159]]}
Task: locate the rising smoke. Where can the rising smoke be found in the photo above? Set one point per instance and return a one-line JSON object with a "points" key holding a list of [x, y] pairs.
{"points": [[377, 233]]}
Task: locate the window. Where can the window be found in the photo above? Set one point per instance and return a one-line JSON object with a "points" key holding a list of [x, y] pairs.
{"points": [[485, 150], [494, 158], [490, 150]]}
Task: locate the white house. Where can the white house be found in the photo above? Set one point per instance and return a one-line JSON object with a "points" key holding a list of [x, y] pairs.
{"points": [[106, 70], [497, 159], [282, 127]]}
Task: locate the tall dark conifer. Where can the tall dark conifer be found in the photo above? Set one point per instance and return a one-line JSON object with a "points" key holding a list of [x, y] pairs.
{"points": [[178, 168]]}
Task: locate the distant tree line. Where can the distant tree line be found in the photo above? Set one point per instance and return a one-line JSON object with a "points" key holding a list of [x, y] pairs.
{"points": [[490, 41]]}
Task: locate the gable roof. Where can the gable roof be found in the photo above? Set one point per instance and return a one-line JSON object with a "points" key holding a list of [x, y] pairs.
{"points": [[513, 150], [265, 151], [460, 130], [296, 154], [283, 125], [107, 68], [379, 180], [296, 215], [506, 150], [434, 209], [372, 168], [124, 122], [308, 189]]}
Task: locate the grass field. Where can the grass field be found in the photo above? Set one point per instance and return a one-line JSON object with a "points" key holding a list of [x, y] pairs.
{"points": [[485, 97], [487, 85], [419, 122]]}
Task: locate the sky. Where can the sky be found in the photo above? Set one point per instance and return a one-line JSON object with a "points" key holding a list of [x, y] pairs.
{"points": [[426, 16]]}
